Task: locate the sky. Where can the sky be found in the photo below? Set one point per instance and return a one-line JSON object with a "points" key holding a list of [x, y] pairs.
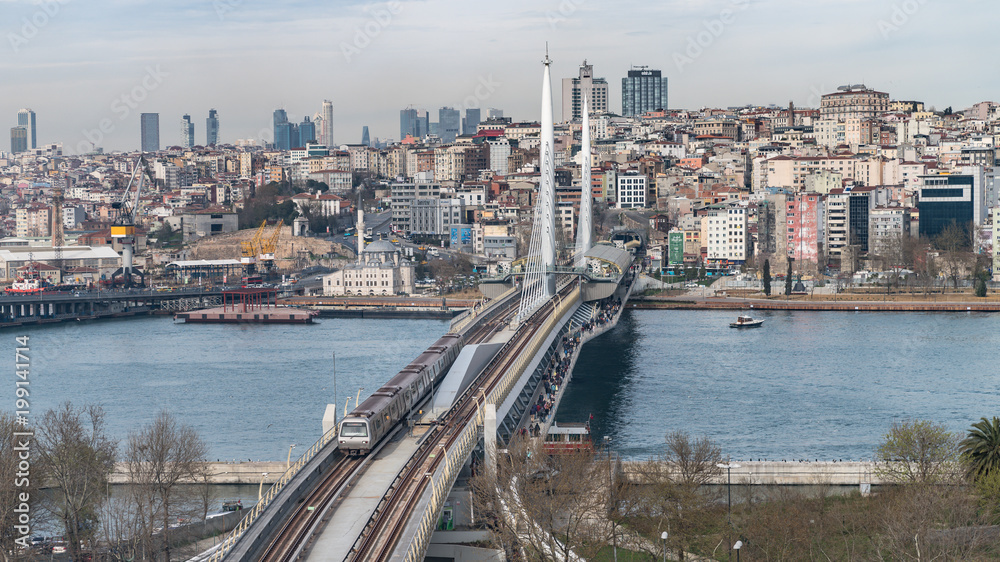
{"points": [[89, 68]]}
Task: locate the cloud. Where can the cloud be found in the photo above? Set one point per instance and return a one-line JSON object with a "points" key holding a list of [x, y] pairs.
{"points": [[258, 56]]}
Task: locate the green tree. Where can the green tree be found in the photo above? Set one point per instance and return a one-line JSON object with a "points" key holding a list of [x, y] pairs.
{"points": [[767, 277], [980, 287], [981, 448], [918, 452], [788, 278]]}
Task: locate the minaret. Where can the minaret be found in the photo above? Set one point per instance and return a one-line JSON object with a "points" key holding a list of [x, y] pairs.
{"points": [[584, 224], [360, 233], [547, 191]]}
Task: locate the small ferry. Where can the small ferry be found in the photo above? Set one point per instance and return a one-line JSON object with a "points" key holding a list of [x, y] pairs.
{"points": [[743, 321], [568, 438]]}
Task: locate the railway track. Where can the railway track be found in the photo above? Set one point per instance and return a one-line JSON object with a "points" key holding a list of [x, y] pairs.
{"points": [[380, 537], [296, 534], [298, 528]]}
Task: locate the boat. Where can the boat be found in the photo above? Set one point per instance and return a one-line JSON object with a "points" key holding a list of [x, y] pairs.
{"points": [[568, 438], [30, 282], [743, 321]]}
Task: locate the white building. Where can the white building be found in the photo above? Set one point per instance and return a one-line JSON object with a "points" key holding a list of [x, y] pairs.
{"points": [[382, 270], [887, 223], [499, 151], [430, 216], [631, 192], [726, 231]]}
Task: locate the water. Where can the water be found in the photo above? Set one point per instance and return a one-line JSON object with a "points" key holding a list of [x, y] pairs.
{"points": [[817, 385], [806, 385], [249, 390]]}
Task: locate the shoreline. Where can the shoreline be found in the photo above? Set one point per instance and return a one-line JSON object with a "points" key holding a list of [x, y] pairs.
{"points": [[730, 303]]}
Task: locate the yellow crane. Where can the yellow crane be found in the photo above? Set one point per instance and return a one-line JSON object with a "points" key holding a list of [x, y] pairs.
{"points": [[269, 246], [250, 248]]}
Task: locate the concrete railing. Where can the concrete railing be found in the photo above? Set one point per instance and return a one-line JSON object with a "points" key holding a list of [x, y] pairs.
{"points": [[462, 321], [273, 491], [455, 458]]}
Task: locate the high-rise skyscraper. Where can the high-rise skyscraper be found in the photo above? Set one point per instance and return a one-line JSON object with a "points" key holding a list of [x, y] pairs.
{"points": [[365, 138], [494, 113], [307, 132], [471, 120], [449, 123], [150, 132], [18, 139], [408, 123], [187, 132], [212, 128], [643, 90], [26, 119], [282, 130], [326, 125], [572, 93], [413, 122]]}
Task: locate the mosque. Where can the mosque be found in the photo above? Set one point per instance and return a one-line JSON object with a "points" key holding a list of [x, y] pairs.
{"points": [[381, 269]]}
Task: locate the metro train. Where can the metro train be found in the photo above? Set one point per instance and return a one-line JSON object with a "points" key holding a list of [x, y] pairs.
{"points": [[361, 429]]}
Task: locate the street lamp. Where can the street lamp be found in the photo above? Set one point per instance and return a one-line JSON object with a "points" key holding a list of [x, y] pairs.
{"points": [[288, 462], [729, 466], [663, 537], [260, 489], [737, 547]]}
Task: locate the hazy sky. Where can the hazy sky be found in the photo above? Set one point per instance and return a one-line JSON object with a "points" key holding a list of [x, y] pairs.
{"points": [[83, 65]]}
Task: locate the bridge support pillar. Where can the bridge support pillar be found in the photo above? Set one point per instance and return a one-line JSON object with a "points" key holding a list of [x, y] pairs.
{"points": [[490, 438]]}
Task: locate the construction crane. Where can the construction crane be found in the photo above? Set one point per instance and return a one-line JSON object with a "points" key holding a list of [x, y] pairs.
{"points": [[125, 211], [58, 234], [250, 248], [270, 246]]}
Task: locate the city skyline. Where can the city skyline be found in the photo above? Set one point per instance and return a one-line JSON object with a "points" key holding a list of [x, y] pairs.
{"points": [[715, 53]]}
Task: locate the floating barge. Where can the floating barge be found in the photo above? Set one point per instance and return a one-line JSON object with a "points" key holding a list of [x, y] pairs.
{"points": [[251, 305]]}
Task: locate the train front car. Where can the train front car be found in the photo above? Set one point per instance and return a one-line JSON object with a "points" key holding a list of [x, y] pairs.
{"points": [[375, 417], [354, 436]]}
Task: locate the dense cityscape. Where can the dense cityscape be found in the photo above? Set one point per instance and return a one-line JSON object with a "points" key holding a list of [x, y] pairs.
{"points": [[839, 188]]}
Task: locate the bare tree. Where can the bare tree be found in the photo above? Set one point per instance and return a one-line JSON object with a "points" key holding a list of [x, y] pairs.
{"points": [[121, 528], [158, 458], [694, 462], [953, 242], [77, 458], [673, 496], [547, 506]]}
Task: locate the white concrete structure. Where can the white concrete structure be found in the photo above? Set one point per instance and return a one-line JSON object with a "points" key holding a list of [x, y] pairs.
{"points": [[382, 270], [631, 190], [727, 235]]}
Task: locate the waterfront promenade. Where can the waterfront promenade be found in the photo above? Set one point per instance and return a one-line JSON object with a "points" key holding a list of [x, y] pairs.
{"points": [[757, 473], [730, 303]]}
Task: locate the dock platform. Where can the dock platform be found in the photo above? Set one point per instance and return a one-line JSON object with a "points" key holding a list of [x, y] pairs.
{"points": [[224, 315]]}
